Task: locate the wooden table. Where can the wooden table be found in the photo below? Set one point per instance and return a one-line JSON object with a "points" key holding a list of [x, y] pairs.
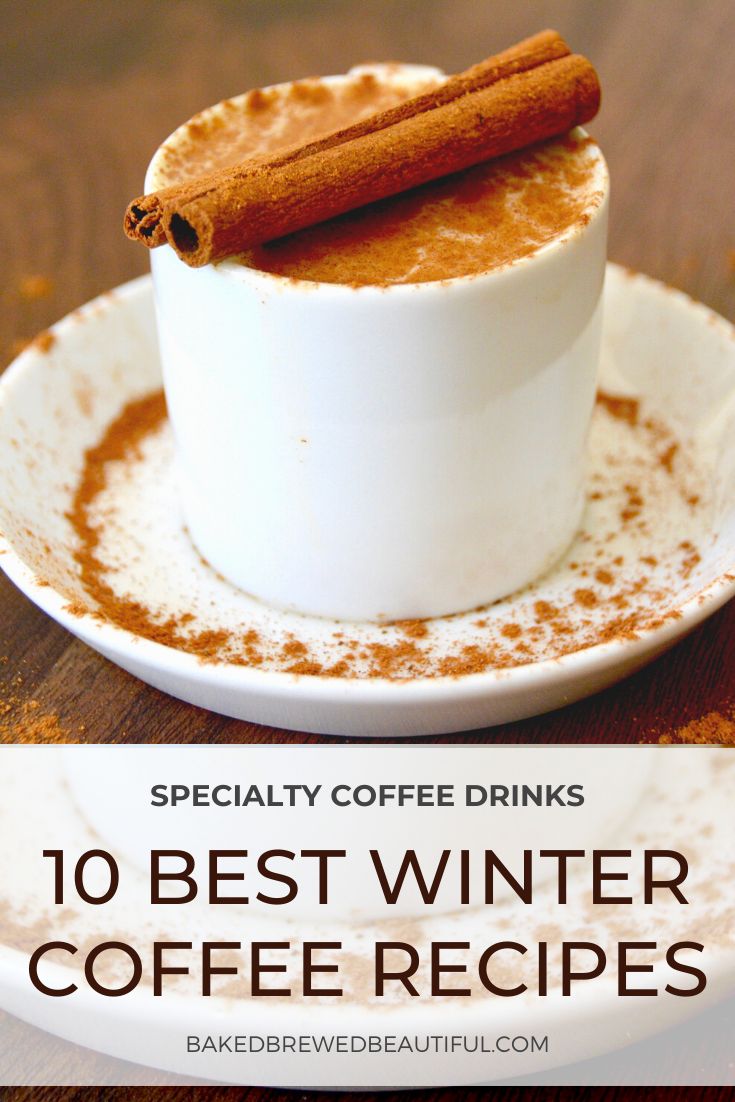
{"points": [[89, 89]]}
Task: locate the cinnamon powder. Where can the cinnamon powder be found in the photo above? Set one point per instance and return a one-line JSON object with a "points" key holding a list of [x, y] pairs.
{"points": [[712, 729], [122, 442], [618, 601], [622, 408], [466, 224], [666, 459], [414, 629], [25, 721], [42, 342], [267, 120]]}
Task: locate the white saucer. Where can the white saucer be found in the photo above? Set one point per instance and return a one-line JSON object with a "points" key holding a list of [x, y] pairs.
{"points": [[695, 801], [656, 556]]}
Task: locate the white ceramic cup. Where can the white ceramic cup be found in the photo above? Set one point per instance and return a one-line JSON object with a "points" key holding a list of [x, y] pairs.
{"points": [[383, 453]]}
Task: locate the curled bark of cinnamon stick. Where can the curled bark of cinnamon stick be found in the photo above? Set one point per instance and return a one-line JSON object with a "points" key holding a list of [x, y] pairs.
{"points": [[533, 91]]}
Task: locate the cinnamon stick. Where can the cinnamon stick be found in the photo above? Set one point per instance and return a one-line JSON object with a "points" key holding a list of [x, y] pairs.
{"points": [[533, 91], [144, 216]]}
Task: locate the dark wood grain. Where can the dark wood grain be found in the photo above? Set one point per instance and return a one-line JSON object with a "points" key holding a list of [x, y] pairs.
{"points": [[88, 90]]}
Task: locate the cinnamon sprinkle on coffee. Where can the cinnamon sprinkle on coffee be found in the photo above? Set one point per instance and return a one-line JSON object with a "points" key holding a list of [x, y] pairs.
{"points": [[122, 443]]}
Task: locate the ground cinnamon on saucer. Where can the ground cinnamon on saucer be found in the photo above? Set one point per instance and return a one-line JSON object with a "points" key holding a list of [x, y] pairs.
{"points": [[623, 409], [666, 459], [122, 442], [622, 596], [605, 577], [42, 342], [586, 597]]}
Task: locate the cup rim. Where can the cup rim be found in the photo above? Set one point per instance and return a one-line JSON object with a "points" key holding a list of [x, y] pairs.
{"points": [[243, 273]]}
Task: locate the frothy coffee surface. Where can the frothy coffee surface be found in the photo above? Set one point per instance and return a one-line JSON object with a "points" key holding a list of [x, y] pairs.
{"points": [[477, 220]]}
